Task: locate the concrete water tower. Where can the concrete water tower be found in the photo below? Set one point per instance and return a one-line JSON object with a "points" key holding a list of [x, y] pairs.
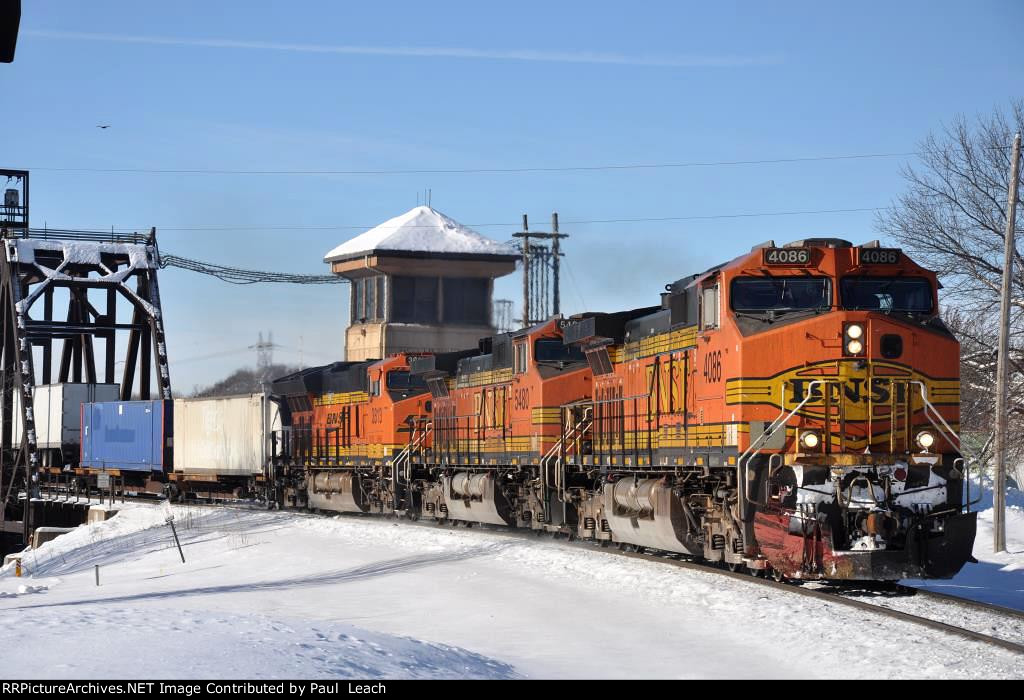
{"points": [[420, 282]]}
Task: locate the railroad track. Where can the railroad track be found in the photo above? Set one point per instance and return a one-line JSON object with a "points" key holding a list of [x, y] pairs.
{"points": [[982, 622], [1010, 621]]}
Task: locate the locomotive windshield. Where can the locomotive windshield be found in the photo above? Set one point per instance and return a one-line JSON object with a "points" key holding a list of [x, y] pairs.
{"points": [[780, 293], [909, 294]]}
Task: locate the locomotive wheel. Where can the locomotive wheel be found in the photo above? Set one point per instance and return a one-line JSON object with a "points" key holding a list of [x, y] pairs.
{"points": [[734, 566], [778, 575]]}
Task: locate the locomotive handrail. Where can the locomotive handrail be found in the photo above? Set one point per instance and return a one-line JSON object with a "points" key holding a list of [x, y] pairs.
{"points": [[545, 461], [406, 453], [755, 446], [966, 471], [585, 422], [772, 467], [930, 409]]}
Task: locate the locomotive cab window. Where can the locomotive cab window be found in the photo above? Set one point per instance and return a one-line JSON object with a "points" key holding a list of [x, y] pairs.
{"points": [[762, 294], [519, 357], [709, 306], [906, 294]]}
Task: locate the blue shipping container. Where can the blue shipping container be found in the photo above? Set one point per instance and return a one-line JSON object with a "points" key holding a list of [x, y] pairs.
{"points": [[128, 435]]}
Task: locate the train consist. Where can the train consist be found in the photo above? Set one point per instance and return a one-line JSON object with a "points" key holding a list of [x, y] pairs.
{"points": [[792, 411]]}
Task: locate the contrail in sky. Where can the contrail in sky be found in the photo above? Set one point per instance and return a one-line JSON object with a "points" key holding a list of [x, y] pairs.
{"points": [[540, 56]]}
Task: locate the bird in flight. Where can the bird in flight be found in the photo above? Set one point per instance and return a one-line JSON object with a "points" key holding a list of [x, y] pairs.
{"points": [[103, 126]]}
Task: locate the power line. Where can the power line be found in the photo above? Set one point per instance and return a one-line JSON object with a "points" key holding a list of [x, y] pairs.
{"points": [[237, 275], [577, 222], [723, 216], [213, 355], [481, 171]]}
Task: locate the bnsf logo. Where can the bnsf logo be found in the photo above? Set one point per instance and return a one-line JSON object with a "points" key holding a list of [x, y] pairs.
{"points": [[854, 389], [334, 418]]}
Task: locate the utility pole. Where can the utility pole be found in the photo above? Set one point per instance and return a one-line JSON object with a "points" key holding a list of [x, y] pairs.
{"points": [[1002, 359], [526, 272], [554, 263], [538, 261]]}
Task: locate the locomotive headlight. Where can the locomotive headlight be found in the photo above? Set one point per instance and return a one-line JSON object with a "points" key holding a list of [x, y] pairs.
{"points": [[925, 439], [853, 339], [810, 439]]}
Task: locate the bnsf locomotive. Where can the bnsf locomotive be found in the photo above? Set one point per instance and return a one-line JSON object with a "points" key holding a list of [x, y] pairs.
{"points": [[792, 411]]}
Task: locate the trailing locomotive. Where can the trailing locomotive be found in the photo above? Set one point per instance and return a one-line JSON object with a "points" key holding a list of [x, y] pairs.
{"points": [[350, 424], [793, 411]]}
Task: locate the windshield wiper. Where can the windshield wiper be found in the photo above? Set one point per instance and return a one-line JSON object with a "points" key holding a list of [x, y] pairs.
{"points": [[764, 319]]}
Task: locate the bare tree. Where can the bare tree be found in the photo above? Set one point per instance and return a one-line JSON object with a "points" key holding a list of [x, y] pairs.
{"points": [[952, 219]]}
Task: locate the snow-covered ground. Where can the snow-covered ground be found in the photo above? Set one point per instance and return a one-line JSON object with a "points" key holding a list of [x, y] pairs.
{"points": [[996, 578], [265, 595]]}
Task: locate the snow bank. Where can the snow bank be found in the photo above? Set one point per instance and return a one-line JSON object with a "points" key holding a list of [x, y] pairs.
{"points": [[421, 229], [268, 594], [200, 644]]}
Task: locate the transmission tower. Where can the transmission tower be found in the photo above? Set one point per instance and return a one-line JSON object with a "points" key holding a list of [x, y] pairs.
{"points": [[264, 353]]}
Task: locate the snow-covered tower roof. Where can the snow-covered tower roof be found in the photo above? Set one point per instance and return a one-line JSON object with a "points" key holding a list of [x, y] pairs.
{"points": [[420, 282], [421, 231]]}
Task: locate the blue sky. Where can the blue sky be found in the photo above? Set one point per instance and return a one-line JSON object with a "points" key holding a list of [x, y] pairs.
{"points": [[398, 86]]}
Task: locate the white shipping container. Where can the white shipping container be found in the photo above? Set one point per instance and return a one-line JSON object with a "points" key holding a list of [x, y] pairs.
{"points": [[58, 411], [225, 435]]}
